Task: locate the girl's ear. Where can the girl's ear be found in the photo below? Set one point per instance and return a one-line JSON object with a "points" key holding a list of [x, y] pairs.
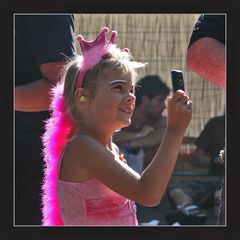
{"points": [[81, 97]]}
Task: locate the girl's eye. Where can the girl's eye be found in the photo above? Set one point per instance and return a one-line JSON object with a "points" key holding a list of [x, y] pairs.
{"points": [[119, 87]]}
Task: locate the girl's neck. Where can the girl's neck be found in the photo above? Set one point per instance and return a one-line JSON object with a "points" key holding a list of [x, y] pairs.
{"points": [[105, 140]]}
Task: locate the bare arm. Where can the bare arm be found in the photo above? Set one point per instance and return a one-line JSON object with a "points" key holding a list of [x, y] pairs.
{"points": [[126, 136], [34, 97], [148, 188], [206, 57], [150, 140]]}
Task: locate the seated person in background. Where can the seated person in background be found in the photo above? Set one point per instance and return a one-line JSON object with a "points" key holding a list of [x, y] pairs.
{"points": [[201, 192], [148, 125]]}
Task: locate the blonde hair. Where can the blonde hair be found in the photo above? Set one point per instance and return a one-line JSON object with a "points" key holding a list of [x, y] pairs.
{"points": [[115, 60]]}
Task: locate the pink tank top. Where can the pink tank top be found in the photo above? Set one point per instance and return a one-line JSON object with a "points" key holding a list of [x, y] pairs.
{"points": [[92, 203]]}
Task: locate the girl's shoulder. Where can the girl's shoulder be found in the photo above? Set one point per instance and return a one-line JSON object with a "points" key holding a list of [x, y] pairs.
{"points": [[80, 139], [73, 159], [82, 144]]}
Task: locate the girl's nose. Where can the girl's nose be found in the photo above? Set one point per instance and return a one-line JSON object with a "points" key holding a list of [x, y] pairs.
{"points": [[131, 98]]}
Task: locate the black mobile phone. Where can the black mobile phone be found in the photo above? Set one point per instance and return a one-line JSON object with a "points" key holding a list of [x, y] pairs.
{"points": [[177, 80]]}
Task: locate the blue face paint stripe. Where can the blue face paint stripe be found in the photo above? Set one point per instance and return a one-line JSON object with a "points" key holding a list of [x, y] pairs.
{"points": [[118, 81]]}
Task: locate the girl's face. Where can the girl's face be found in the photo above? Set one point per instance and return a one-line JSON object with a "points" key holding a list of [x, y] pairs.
{"points": [[114, 100]]}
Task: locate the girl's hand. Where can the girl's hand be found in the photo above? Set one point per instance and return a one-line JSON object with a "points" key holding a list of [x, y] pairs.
{"points": [[179, 112]]}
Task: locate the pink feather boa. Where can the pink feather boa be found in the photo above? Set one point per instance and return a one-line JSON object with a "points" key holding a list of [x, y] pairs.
{"points": [[59, 129]]}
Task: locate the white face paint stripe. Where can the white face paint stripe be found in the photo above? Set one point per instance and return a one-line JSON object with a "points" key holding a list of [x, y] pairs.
{"points": [[118, 81]]}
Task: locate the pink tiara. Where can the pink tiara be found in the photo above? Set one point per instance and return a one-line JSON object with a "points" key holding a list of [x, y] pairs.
{"points": [[92, 52]]}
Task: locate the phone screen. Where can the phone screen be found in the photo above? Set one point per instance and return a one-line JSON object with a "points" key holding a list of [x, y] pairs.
{"points": [[177, 80]]}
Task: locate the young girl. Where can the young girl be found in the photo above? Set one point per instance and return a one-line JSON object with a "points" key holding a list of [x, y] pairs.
{"points": [[87, 180]]}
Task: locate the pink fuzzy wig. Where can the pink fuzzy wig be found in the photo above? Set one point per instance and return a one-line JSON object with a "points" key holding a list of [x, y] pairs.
{"points": [[60, 127]]}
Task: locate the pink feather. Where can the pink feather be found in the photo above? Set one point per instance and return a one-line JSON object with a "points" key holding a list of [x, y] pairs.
{"points": [[59, 129]]}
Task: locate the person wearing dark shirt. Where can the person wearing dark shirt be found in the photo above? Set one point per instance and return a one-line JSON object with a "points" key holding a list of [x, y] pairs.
{"points": [[140, 140], [187, 195], [206, 57], [42, 44]]}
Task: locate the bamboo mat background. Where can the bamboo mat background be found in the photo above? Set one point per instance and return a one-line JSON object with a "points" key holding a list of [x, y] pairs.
{"points": [[161, 40]]}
